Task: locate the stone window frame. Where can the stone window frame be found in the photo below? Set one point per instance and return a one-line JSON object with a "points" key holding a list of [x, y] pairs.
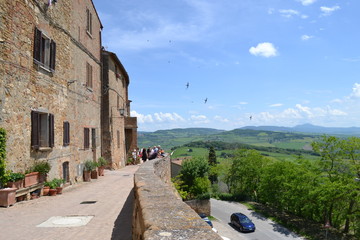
{"points": [[89, 22], [86, 138], [44, 53], [89, 75], [66, 135], [42, 130]]}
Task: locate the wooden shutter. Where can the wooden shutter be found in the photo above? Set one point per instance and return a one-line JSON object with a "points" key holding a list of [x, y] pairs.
{"points": [[52, 54], [86, 138], [51, 130], [66, 136], [35, 130], [37, 44]]}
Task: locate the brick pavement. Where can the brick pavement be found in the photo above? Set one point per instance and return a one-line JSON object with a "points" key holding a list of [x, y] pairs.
{"points": [[112, 211]]}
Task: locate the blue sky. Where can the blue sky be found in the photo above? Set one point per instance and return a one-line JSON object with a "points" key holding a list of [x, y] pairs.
{"points": [[257, 62]]}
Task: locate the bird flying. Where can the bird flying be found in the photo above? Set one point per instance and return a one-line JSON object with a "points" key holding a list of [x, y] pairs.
{"points": [[187, 85], [205, 101]]}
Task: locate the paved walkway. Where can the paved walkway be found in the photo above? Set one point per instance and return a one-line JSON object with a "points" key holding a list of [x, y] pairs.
{"points": [[109, 208]]}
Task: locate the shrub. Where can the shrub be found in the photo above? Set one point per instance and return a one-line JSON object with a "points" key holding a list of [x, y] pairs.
{"points": [[101, 162], [41, 167], [13, 177], [89, 165], [3, 179]]}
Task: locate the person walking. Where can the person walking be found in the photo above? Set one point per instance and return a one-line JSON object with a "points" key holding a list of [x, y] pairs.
{"points": [[144, 156]]}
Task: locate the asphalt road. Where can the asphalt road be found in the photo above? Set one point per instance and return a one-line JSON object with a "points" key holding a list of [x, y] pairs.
{"points": [[265, 228]]}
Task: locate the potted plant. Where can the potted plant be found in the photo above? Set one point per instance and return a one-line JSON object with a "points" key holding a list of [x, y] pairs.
{"points": [[43, 168], [31, 178], [52, 190], [101, 165], [88, 167], [94, 172], [59, 184], [15, 180], [46, 188], [7, 195]]}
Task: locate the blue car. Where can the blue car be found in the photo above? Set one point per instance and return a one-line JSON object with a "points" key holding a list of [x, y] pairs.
{"points": [[242, 222]]}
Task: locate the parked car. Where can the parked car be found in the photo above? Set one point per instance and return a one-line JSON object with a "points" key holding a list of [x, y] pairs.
{"points": [[242, 222], [207, 220]]}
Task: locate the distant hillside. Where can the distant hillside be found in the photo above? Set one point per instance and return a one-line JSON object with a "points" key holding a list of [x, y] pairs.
{"points": [[174, 137], [298, 137], [309, 128]]}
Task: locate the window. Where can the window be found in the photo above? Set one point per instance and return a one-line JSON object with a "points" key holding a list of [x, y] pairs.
{"points": [[89, 21], [44, 51], [66, 135], [117, 101], [42, 130], [89, 83], [118, 138], [86, 138], [93, 138]]}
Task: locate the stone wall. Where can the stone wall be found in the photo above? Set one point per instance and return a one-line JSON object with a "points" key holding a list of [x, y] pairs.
{"points": [[158, 212]]}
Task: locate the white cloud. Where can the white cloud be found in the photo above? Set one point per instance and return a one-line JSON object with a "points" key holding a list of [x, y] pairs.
{"points": [[167, 117], [264, 49], [307, 2], [356, 91], [199, 119], [221, 119], [326, 11], [141, 118], [288, 13], [243, 103], [276, 105], [306, 37]]}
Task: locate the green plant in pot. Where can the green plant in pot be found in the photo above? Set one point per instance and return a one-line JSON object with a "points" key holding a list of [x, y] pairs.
{"points": [[58, 184], [43, 168], [52, 185], [88, 167], [101, 165], [15, 179]]}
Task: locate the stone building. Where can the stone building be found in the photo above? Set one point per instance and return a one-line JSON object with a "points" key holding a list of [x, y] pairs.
{"points": [[119, 130], [50, 84]]}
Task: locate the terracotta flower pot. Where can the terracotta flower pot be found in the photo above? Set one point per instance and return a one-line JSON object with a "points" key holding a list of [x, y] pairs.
{"points": [[101, 170], [87, 175], [94, 174], [46, 191], [31, 179], [52, 192], [59, 190], [17, 184], [7, 197]]}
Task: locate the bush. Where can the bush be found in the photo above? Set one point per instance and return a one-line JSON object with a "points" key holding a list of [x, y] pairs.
{"points": [[41, 167], [89, 165], [13, 177], [101, 162], [3, 179]]}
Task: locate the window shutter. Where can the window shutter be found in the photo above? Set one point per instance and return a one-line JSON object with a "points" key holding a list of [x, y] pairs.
{"points": [[86, 138], [66, 137], [52, 55], [35, 141], [37, 44], [51, 130]]}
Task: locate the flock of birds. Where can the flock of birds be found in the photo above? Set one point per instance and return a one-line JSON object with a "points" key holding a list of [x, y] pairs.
{"points": [[206, 99]]}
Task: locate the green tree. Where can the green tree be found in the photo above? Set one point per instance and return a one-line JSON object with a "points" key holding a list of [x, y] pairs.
{"points": [[245, 172], [212, 163], [191, 170]]}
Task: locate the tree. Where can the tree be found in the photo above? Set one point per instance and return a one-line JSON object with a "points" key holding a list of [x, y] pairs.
{"points": [[212, 163], [191, 171]]}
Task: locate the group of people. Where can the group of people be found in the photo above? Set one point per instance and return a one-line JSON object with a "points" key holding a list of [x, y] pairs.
{"points": [[150, 153]]}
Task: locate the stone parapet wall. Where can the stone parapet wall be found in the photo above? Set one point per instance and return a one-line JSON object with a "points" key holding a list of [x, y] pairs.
{"points": [[158, 212]]}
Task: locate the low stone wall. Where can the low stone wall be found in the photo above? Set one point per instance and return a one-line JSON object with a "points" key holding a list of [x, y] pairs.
{"points": [[200, 206], [158, 212]]}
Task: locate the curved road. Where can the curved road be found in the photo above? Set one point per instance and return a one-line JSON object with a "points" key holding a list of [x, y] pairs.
{"points": [[265, 228]]}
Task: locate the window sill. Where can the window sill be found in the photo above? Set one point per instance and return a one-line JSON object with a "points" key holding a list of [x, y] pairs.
{"points": [[44, 149], [89, 34]]}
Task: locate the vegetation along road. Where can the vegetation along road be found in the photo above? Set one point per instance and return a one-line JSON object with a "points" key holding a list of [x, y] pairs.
{"points": [[265, 228]]}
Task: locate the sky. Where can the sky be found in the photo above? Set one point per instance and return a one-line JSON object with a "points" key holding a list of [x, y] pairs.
{"points": [[226, 64]]}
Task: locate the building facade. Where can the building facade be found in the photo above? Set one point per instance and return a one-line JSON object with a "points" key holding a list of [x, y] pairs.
{"points": [[118, 135], [50, 84]]}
